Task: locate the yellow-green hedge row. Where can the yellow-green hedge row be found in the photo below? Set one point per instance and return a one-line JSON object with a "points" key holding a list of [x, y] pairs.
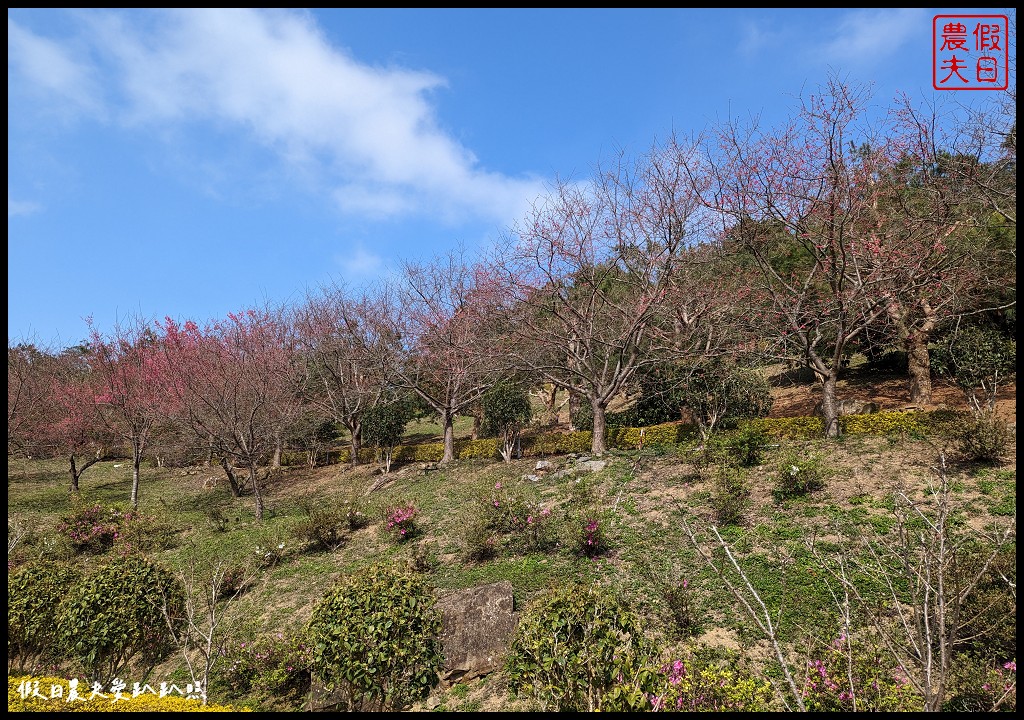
{"points": [[881, 423], [628, 438], [51, 694]]}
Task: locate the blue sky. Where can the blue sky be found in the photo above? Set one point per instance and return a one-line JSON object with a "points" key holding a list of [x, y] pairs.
{"points": [[193, 163]]}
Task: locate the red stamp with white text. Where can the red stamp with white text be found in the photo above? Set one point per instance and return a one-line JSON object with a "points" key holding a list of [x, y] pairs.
{"points": [[970, 52]]}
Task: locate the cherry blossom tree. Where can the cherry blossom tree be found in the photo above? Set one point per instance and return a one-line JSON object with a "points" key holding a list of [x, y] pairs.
{"points": [[237, 381], [128, 370]]}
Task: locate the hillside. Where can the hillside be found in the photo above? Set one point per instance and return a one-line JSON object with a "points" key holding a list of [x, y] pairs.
{"points": [[640, 499]]}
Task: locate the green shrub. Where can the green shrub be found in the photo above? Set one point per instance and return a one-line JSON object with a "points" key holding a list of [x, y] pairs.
{"points": [[60, 695], [730, 497], [274, 669], [798, 475], [887, 422], [383, 427], [34, 596], [324, 526], [747, 445], [796, 428], [983, 438], [719, 392], [479, 541], [375, 637], [978, 359], [116, 616], [577, 648], [507, 409]]}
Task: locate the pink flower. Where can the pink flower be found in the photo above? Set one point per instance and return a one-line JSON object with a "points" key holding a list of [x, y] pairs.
{"points": [[1011, 666], [497, 485]]}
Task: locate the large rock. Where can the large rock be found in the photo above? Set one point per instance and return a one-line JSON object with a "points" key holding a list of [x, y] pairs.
{"points": [[475, 630], [849, 407]]}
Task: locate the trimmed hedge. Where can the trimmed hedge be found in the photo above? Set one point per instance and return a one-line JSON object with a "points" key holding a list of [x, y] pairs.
{"points": [[887, 422], [47, 700]]}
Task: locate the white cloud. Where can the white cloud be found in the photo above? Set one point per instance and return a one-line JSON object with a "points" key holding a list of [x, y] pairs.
{"points": [[371, 132], [757, 37], [864, 37], [51, 68], [21, 207], [360, 264]]}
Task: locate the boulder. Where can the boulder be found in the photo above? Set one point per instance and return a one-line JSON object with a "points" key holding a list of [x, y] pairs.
{"points": [[476, 627], [850, 407]]}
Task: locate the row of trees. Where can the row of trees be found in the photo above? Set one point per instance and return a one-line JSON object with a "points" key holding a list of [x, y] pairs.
{"points": [[801, 243]]}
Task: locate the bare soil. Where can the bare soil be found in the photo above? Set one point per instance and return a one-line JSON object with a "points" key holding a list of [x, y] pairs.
{"points": [[889, 391]]}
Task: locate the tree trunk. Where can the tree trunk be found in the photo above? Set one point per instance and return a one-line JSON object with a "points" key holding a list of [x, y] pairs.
{"points": [[275, 461], [76, 472], [574, 404], [919, 367], [447, 421], [236, 490], [597, 444], [254, 472], [477, 423], [136, 461], [74, 475], [355, 431], [829, 405]]}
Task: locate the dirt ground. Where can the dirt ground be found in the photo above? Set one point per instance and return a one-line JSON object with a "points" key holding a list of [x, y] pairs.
{"points": [[889, 392]]}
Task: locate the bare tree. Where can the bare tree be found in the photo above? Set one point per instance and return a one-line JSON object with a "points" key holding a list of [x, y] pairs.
{"points": [[211, 586], [347, 359], [445, 315], [799, 202], [597, 280]]}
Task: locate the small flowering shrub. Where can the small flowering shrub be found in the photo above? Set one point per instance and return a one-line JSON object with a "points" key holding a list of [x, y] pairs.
{"points": [[980, 685], [688, 685], [399, 522], [798, 475], [586, 535], [269, 555], [94, 529], [235, 581], [270, 668], [520, 524], [857, 674], [679, 599]]}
